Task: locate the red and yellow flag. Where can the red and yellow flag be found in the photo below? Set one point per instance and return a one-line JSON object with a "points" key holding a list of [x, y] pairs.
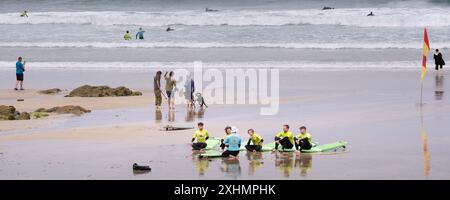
{"points": [[425, 50]]}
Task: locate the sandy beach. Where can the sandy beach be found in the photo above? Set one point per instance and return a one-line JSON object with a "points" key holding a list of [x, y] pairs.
{"points": [[381, 124], [327, 65]]}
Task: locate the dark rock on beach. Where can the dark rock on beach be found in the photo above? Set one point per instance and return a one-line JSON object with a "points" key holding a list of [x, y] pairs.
{"points": [[10, 113], [102, 91], [70, 109], [50, 91]]}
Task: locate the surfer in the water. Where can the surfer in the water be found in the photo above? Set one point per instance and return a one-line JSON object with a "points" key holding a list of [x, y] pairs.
{"points": [[284, 138], [140, 33], [303, 141], [24, 14], [371, 14], [256, 139], [169, 29], [227, 133], [210, 10], [127, 36], [327, 8], [233, 143], [201, 135]]}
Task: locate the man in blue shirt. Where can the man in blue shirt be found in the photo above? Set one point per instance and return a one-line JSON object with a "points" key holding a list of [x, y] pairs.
{"points": [[233, 143], [20, 68]]}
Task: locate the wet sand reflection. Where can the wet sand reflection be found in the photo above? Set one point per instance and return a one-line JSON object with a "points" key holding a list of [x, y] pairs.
{"points": [[439, 86]]}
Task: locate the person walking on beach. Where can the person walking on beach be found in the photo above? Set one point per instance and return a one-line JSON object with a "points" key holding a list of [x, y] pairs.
{"points": [[157, 89], [284, 138], [170, 85], [201, 135], [303, 141], [127, 35], [20, 69], [256, 139], [140, 33], [438, 60], [233, 143]]}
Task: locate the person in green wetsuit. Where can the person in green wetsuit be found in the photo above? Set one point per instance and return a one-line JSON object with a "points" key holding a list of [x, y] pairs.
{"points": [[127, 36], [303, 141], [256, 139], [24, 14], [284, 138], [140, 33], [201, 135]]}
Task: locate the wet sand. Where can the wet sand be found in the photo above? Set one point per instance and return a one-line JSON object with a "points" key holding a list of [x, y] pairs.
{"points": [[375, 111]]}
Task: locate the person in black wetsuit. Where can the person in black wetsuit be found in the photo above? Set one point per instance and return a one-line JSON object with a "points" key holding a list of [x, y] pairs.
{"points": [[438, 60]]}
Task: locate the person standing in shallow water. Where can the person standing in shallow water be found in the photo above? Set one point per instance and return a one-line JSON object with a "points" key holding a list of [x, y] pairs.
{"points": [[140, 34], [20, 68], [157, 89], [170, 85], [438, 60]]}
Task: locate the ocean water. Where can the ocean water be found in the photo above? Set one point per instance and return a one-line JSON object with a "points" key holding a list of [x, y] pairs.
{"points": [[287, 24]]}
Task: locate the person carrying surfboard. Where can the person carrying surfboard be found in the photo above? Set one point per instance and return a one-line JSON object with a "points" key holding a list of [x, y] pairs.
{"points": [[256, 139], [303, 141], [201, 135], [227, 133], [284, 138], [233, 143]]}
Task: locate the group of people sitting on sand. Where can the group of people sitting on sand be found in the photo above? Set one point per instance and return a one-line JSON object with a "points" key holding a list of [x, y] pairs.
{"points": [[231, 141]]}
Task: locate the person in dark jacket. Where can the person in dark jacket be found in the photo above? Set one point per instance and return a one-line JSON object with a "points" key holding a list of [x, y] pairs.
{"points": [[438, 60]]}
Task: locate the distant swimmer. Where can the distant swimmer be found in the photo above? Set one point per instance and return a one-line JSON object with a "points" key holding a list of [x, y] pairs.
{"points": [[210, 10], [127, 36], [169, 29], [24, 14], [140, 33], [327, 8], [371, 14]]}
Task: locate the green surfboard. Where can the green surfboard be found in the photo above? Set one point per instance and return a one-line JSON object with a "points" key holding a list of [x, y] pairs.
{"points": [[212, 143], [315, 149]]}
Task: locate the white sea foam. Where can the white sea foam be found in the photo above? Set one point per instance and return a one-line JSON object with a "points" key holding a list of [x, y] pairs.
{"points": [[138, 44], [384, 17], [311, 66]]}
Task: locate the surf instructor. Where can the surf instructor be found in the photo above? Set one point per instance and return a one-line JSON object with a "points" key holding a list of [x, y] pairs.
{"points": [[233, 143]]}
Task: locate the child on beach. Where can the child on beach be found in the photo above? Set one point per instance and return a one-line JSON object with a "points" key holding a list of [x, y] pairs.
{"points": [[284, 138], [256, 139], [303, 140], [20, 68], [233, 143], [227, 133], [201, 135]]}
